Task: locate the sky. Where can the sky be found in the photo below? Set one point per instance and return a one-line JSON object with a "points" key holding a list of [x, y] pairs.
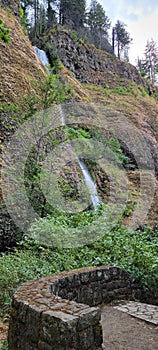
{"points": [[141, 17]]}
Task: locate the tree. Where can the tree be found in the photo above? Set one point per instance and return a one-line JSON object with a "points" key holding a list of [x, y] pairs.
{"points": [[72, 13], [121, 38], [98, 22], [25, 4], [36, 17], [35, 6], [148, 65], [51, 13], [151, 60], [140, 64], [43, 15], [42, 21]]}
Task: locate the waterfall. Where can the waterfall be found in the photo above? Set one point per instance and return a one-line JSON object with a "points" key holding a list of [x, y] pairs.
{"points": [[42, 56], [89, 183], [62, 116], [87, 177]]}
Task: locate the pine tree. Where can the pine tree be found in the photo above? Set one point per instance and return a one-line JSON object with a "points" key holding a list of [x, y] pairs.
{"points": [[51, 13], [42, 21], [151, 60], [98, 22], [72, 13], [122, 38]]}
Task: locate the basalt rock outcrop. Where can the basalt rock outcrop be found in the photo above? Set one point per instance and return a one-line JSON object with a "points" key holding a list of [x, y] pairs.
{"points": [[14, 5], [90, 65]]}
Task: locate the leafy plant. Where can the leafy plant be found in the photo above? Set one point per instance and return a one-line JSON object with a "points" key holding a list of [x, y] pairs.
{"points": [[23, 19], [4, 346], [4, 33], [134, 251], [55, 61], [74, 35], [124, 91], [143, 73]]}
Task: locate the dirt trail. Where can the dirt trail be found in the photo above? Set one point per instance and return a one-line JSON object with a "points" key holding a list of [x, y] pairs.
{"points": [[124, 332]]}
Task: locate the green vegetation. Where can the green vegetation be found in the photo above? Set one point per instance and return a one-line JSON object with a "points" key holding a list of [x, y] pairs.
{"points": [[148, 65], [124, 91], [65, 183], [4, 346], [112, 143], [143, 91], [122, 38], [4, 33], [137, 252], [23, 20], [112, 244], [56, 63], [52, 90], [88, 25], [74, 35]]}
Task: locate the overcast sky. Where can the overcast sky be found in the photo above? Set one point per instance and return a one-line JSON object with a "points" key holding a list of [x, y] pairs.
{"points": [[141, 17]]}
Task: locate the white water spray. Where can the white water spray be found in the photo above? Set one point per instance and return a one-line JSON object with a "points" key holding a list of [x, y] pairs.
{"points": [[42, 56], [89, 183]]}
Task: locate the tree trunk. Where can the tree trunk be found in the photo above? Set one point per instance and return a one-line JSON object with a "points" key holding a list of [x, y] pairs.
{"points": [[113, 39], [118, 49], [36, 17]]}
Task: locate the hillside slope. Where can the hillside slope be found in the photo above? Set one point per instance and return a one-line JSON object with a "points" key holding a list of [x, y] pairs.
{"points": [[141, 112], [115, 86], [19, 64], [89, 64]]}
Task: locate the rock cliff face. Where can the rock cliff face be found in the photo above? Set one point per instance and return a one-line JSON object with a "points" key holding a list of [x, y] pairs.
{"points": [[14, 5], [18, 61], [89, 64]]}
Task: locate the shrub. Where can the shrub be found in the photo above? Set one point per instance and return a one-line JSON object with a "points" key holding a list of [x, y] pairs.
{"points": [[134, 251], [4, 346], [73, 34], [4, 33]]}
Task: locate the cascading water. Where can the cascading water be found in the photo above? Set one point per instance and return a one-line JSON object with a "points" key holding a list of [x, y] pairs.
{"points": [[42, 56], [89, 183], [87, 177], [62, 116]]}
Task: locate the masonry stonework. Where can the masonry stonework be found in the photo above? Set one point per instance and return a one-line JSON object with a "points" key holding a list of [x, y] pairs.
{"points": [[60, 312]]}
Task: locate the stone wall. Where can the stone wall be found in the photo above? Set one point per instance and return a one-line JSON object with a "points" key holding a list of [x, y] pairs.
{"points": [[59, 312]]}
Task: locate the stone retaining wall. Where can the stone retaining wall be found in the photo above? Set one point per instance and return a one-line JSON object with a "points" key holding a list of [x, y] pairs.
{"points": [[59, 312]]}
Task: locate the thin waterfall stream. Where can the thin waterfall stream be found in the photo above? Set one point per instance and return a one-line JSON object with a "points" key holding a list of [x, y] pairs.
{"points": [[86, 174], [89, 183], [87, 177], [42, 56]]}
